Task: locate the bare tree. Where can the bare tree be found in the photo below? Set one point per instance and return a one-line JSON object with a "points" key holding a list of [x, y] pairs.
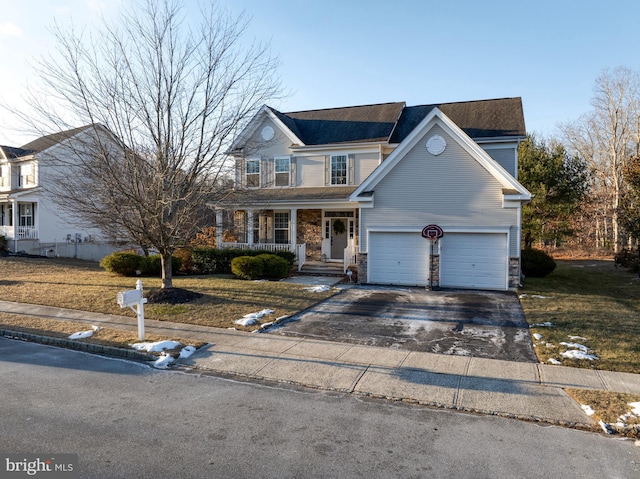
{"points": [[163, 99], [606, 137]]}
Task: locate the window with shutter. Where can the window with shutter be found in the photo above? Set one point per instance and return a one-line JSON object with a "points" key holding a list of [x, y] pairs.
{"points": [[338, 169], [282, 171], [253, 173]]}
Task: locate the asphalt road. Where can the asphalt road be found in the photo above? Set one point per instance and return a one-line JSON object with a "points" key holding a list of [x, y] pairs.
{"points": [[124, 419]]}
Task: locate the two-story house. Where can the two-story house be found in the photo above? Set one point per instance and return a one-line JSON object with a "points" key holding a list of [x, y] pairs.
{"points": [[29, 220], [358, 186]]}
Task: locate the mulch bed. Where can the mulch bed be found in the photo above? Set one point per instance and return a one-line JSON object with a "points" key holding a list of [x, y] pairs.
{"points": [[172, 296]]}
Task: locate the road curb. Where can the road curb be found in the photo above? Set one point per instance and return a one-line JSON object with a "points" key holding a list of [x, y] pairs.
{"points": [[390, 399], [79, 346]]}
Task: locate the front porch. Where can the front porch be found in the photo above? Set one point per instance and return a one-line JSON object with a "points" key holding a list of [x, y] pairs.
{"points": [[320, 236]]}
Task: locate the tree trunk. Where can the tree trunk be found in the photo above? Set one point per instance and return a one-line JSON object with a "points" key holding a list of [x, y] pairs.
{"points": [[167, 273]]}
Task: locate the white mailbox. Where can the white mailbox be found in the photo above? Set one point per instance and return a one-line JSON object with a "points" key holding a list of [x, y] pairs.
{"points": [[129, 298], [133, 299]]}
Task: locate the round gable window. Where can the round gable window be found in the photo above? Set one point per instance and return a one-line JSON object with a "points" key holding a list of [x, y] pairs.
{"points": [[436, 145], [267, 133]]}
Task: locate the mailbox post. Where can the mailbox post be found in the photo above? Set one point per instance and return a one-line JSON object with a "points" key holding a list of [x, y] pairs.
{"points": [[131, 298]]}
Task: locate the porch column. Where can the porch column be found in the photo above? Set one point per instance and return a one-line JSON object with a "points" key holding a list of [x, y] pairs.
{"points": [[250, 227], [219, 228], [293, 231], [14, 212]]}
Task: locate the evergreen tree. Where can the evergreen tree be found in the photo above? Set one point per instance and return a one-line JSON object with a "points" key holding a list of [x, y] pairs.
{"points": [[558, 182]]}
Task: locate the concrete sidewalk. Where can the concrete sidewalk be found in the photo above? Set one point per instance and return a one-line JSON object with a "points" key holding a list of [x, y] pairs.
{"points": [[513, 389]]}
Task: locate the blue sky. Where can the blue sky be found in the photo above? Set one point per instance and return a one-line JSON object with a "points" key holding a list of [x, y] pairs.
{"points": [[350, 52]]}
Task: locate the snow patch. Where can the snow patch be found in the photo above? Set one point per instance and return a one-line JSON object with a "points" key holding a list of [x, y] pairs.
{"points": [[163, 362], [253, 318], [579, 346], [82, 334], [318, 289], [576, 354], [542, 325], [537, 336], [588, 410], [156, 347], [538, 296], [554, 361], [187, 351]]}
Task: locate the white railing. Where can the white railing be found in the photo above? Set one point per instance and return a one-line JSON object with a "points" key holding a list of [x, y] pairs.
{"points": [[27, 232], [264, 246], [6, 230], [301, 254], [349, 256]]}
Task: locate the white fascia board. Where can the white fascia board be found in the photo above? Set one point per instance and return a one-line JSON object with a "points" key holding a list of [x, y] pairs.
{"points": [[255, 122], [297, 204], [500, 139], [436, 116], [332, 148]]}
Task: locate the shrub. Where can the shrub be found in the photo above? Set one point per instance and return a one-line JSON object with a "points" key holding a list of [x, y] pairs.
{"points": [[123, 263], [536, 263], [152, 265], [247, 267], [275, 267], [186, 258], [628, 258], [218, 261], [3, 245]]}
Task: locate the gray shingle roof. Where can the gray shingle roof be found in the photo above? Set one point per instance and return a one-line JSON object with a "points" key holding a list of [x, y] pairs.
{"points": [[343, 125], [479, 119], [272, 196], [392, 122], [48, 141], [12, 152]]}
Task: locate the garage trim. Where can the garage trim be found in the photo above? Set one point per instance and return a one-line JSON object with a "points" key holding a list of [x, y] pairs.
{"points": [[505, 230], [504, 257]]}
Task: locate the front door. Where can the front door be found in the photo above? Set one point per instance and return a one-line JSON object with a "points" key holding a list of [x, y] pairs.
{"points": [[338, 237]]}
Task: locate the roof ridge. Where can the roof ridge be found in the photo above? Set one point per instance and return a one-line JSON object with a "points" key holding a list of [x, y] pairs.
{"points": [[346, 107], [468, 101]]}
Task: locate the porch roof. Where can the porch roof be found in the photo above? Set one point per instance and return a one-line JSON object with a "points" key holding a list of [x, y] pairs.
{"points": [[271, 196]]}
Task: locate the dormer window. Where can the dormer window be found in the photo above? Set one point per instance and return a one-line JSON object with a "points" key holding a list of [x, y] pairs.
{"points": [[339, 169], [253, 173]]}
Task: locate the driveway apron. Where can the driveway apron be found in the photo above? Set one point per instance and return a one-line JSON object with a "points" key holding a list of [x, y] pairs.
{"points": [[469, 323]]}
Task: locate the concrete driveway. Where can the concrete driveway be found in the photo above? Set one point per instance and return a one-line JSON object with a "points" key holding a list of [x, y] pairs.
{"points": [[470, 323]]}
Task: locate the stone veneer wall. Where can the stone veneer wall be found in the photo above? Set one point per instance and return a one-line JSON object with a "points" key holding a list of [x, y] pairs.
{"points": [[514, 273], [309, 231], [361, 259], [435, 283]]}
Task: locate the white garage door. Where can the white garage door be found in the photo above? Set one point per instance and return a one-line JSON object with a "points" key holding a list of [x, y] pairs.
{"points": [[474, 260], [398, 258]]}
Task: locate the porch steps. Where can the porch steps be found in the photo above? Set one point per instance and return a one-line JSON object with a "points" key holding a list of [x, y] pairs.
{"points": [[325, 269]]}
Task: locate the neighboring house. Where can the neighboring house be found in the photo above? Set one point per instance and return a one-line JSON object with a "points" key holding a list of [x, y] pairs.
{"points": [[358, 185], [28, 219]]}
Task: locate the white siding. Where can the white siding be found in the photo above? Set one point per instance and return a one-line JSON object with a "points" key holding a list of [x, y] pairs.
{"points": [[364, 166], [310, 170], [451, 189]]}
